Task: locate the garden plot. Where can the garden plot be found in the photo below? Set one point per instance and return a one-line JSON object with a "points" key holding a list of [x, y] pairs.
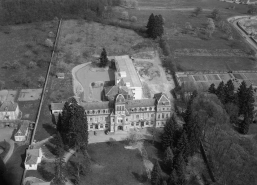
{"points": [[30, 94], [213, 77], [239, 76], [215, 52]]}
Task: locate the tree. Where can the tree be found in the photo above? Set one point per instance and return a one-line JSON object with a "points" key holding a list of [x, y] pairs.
{"points": [[103, 58], [197, 11], [41, 81], [215, 14], [60, 165], [229, 90], [168, 136], [183, 145], [124, 15], [188, 26], [242, 96], [252, 9], [168, 157], [221, 92], [180, 167], [173, 178], [156, 174], [210, 27], [150, 25], [232, 111], [244, 125], [212, 89]]}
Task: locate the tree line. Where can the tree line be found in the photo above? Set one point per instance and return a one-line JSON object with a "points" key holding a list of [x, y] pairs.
{"points": [[238, 104], [27, 11]]}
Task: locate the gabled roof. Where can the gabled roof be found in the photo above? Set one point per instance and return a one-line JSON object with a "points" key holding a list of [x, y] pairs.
{"points": [[22, 130], [140, 103], [120, 99], [114, 90], [8, 106], [161, 98], [57, 106], [31, 159], [32, 155]]}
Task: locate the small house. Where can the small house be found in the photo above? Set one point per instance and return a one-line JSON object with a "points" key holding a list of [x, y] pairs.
{"points": [[56, 108], [60, 75], [22, 132], [9, 110], [33, 158]]}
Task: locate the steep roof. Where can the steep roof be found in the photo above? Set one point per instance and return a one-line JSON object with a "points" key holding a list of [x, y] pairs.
{"points": [[114, 90], [22, 130], [32, 155], [31, 159], [8, 106], [140, 103], [120, 99]]}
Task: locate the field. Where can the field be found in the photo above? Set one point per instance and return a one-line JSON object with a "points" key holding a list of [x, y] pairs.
{"points": [[24, 56], [113, 165]]}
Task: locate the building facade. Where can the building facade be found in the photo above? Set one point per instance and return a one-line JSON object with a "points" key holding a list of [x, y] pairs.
{"points": [[9, 111]]}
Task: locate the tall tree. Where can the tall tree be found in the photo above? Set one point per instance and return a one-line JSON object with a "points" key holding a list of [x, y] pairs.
{"points": [[60, 165], [180, 167], [168, 136], [244, 125], [156, 174], [229, 90], [103, 58], [221, 92], [183, 145], [150, 25], [242, 96], [210, 27], [168, 158], [212, 89], [173, 178]]}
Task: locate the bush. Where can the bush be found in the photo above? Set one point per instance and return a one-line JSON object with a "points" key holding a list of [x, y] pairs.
{"points": [[32, 65], [49, 43], [124, 15], [133, 19], [26, 81], [165, 47], [197, 11], [41, 81]]}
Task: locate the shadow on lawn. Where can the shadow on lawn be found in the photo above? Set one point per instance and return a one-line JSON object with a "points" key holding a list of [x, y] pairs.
{"points": [[140, 177], [49, 128]]}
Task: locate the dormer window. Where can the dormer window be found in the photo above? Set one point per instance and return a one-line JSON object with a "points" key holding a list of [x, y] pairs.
{"points": [[103, 111]]}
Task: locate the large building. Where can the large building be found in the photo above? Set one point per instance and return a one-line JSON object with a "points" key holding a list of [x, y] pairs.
{"points": [[126, 75]]}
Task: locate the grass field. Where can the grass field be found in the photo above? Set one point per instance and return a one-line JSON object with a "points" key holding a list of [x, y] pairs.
{"points": [[22, 45], [113, 165]]}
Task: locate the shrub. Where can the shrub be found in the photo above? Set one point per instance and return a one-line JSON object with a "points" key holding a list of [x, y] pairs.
{"points": [[133, 19], [32, 65], [41, 81], [26, 81], [28, 54], [197, 11], [49, 43], [165, 47], [15, 65], [134, 4], [124, 15]]}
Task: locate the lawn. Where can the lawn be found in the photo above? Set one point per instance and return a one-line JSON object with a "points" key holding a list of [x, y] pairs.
{"points": [[15, 166], [113, 165], [23, 47]]}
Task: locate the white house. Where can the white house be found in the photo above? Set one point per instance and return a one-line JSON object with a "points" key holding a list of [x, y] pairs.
{"points": [[33, 158], [22, 132], [9, 111], [127, 74]]}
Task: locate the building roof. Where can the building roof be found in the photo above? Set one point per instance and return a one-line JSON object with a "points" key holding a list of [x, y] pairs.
{"points": [[140, 103], [8, 106], [60, 75], [57, 106], [125, 64], [114, 90], [95, 105], [22, 130], [32, 155], [40, 183], [120, 99]]}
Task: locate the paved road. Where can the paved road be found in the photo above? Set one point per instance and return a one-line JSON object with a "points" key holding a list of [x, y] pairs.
{"points": [[233, 21], [10, 152]]}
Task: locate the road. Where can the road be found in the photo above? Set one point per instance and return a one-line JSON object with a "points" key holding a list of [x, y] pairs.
{"points": [[234, 22]]}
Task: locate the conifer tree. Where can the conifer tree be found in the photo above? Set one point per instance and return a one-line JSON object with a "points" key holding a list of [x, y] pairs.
{"points": [[242, 96], [221, 92], [180, 167], [158, 29], [167, 138], [164, 183], [156, 174], [183, 145], [103, 58], [244, 125], [189, 108], [173, 178], [150, 25], [229, 92], [168, 158], [212, 89]]}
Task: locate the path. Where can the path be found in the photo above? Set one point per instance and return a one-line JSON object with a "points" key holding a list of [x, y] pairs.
{"points": [[168, 8], [234, 21], [10, 152]]}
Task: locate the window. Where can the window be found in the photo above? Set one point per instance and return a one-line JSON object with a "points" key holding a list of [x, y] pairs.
{"points": [[132, 124], [126, 119], [103, 111], [152, 115], [146, 109], [151, 122], [147, 123], [163, 115], [137, 116], [167, 115], [106, 125], [99, 111], [163, 108], [137, 124], [91, 126], [159, 116], [150, 108], [121, 121], [113, 119], [91, 119], [122, 108], [101, 126], [106, 118]]}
